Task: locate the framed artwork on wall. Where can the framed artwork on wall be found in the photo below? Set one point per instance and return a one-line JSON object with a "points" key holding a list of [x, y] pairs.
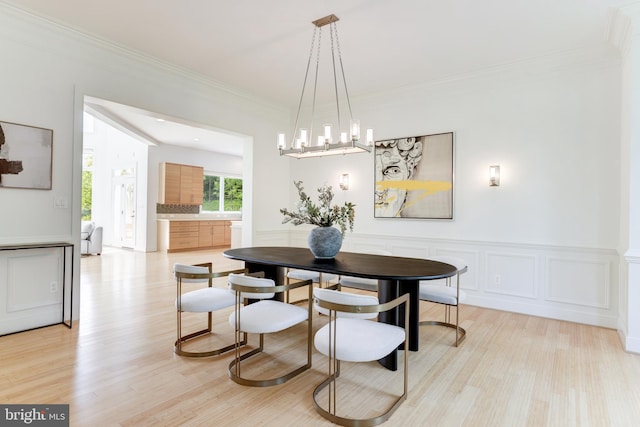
{"points": [[414, 177], [25, 156]]}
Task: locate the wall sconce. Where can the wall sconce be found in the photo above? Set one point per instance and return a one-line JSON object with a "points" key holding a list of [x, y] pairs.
{"points": [[494, 176], [344, 181]]}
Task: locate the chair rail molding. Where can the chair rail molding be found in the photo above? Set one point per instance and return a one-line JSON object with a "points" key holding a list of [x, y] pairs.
{"points": [[574, 284]]}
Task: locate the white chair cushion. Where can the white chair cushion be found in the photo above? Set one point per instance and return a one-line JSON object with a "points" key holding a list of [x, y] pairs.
{"points": [[359, 283], [360, 340], [268, 316], [207, 299], [310, 275], [440, 294], [191, 269], [345, 298]]}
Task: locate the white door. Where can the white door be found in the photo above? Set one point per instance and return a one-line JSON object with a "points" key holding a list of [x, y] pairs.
{"points": [[124, 197]]}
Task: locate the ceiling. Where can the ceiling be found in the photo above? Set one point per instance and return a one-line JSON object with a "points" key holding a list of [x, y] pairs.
{"points": [[261, 47], [155, 128]]}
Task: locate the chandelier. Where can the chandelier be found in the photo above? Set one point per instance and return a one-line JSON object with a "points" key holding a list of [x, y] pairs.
{"points": [[305, 141]]}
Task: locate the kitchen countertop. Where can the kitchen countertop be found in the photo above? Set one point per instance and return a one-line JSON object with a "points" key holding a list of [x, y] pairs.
{"points": [[199, 217]]}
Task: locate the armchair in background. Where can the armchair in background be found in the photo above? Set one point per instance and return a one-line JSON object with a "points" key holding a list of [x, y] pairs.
{"points": [[90, 238]]}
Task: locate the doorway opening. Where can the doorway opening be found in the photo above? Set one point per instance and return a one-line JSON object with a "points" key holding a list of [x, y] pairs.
{"points": [[124, 206], [123, 149]]}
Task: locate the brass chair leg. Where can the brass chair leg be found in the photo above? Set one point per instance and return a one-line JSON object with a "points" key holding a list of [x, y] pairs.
{"points": [[460, 332], [177, 345], [180, 339], [334, 372], [349, 422], [235, 365], [236, 375]]}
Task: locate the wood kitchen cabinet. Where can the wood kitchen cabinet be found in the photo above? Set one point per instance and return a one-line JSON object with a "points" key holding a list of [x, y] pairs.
{"points": [[176, 236], [181, 184], [214, 234], [183, 234]]}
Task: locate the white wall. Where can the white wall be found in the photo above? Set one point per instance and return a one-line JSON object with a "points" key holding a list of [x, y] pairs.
{"points": [[555, 134], [47, 71], [544, 242], [625, 30]]}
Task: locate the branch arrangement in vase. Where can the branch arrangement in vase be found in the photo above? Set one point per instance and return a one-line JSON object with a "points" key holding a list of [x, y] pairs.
{"points": [[321, 214]]}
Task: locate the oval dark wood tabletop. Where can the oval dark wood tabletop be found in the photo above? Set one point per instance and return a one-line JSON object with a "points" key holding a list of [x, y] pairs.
{"points": [[346, 263]]}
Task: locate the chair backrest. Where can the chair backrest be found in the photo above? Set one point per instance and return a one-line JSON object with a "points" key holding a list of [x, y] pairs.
{"points": [[86, 229], [255, 282], [345, 298], [179, 269]]}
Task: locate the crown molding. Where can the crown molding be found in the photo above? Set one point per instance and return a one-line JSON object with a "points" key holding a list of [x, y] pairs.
{"points": [[574, 60], [623, 25], [619, 30], [94, 41]]}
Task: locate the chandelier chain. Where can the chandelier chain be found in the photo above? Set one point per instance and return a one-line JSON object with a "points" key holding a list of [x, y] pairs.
{"points": [[304, 85], [335, 78], [315, 86], [344, 78]]}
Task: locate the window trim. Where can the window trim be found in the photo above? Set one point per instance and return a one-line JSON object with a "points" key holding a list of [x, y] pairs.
{"points": [[221, 196]]}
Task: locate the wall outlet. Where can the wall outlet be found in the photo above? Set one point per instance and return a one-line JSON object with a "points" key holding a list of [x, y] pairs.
{"points": [[53, 287], [497, 280]]}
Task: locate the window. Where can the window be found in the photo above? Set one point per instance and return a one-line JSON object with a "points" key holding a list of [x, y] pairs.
{"points": [[87, 185], [227, 200]]}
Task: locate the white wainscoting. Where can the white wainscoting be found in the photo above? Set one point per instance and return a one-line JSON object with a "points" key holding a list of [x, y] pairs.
{"points": [[566, 283], [31, 282]]}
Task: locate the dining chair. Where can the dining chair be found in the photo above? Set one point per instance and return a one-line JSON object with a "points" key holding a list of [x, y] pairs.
{"points": [[448, 293], [314, 276], [203, 300], [353, 335], [361, 282], [264, 315]]}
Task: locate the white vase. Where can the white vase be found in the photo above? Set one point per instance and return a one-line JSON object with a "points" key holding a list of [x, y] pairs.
{"points": [[325, 242]]}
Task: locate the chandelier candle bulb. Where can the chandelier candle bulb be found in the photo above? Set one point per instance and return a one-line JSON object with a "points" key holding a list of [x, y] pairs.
{"points": [[343, 137], [355, 129], [327, 134], [281, 141], [303, 138]]}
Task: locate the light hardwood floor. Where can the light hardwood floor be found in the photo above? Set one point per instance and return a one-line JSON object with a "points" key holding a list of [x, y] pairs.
{"points": [[116, 366]]}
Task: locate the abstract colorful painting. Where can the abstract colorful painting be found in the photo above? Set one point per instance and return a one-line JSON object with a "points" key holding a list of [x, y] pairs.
{"points": [[414, 177]]}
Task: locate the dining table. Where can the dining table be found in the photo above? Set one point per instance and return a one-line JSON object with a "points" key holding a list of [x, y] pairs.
{"points": [[396, 275]]}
